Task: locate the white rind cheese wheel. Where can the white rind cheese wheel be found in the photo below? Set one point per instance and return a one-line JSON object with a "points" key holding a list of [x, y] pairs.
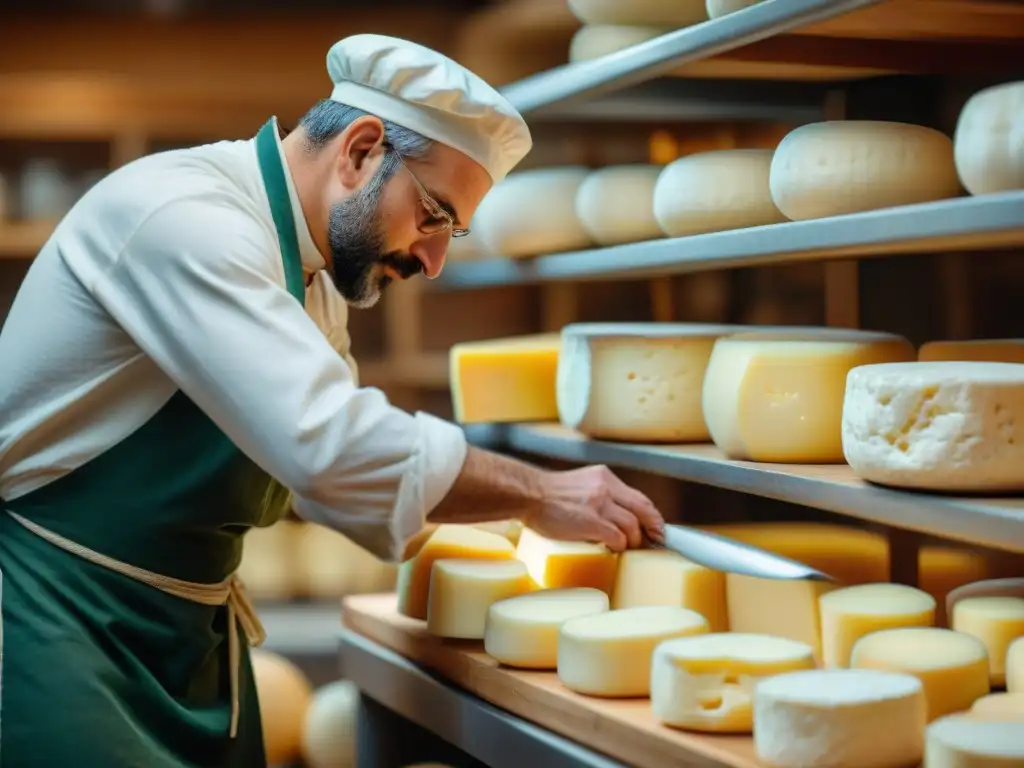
{"points": [[609, 654], [996, 622], [531, 213], [715, 191], [965, 741], [946, 426], [706, 683], [850, 613], [952, 666], [840, 718], [616, 204], [597, 40], [718, 8], [997, 706], [661, 577], [639, 13], [979, 350], [839, 167], [1015, 666], [989, 140], [564, 564], [638, 382], [462, 591], [329, 734], [778, 396], [523, 631]]}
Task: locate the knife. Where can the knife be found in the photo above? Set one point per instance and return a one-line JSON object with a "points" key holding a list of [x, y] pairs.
{"points": [[721, 553]]}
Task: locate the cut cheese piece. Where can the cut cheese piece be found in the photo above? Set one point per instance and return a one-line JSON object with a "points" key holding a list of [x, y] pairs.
{"points": [[706, 683], [778, 396], [964, 741], [978, 350], [660, 577], [609, 654], [1015, 666], [996, 621], [447, 542], [779, 608], [839, 167], [616, 204], [952, 666], [715, 191], [850, 613], [997, 706], [505, 379], [462, 591], [529, 213], [563, 564], [639, 13], [636, 381], [718, 8], [840, 718], [523, 631], [989, 140], [945, 426]]}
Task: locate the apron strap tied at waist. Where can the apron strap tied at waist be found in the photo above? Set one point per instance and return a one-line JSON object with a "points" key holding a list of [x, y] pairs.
{"points": [[230, 593]]}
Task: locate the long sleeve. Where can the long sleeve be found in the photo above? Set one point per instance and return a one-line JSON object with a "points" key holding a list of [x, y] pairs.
{"points": [[200, 288]]}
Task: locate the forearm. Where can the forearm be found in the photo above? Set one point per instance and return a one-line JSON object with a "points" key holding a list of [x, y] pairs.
{"points": [[491, 487]]}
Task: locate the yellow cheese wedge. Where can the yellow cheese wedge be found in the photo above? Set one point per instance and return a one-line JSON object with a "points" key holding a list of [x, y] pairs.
{"points": [[462, 591], [1000, 705], [660, 577], [563, 564], [996, 621], [978, 350], [787, 609], [505, 379]]}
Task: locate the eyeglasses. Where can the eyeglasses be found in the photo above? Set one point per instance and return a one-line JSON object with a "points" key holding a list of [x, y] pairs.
{"points": [[438, 219]]}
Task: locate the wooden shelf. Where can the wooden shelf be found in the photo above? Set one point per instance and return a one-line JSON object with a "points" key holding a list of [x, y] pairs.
{"points": [[23, 240]]}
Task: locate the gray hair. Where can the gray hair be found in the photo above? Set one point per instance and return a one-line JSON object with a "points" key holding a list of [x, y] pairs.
{"points": [[329, 118]]}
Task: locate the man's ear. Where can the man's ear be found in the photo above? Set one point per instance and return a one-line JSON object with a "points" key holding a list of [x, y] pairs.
{"points": [[360, 150]]}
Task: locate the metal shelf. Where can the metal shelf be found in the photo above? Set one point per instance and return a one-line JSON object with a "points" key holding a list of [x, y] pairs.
{"points": [[984, 222], [989, 522]]}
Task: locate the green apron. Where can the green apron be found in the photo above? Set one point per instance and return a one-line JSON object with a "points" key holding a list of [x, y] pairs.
{"points": [[99, 669]]}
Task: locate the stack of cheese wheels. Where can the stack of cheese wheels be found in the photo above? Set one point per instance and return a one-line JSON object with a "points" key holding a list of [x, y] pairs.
{"points": [[661, 577], [329, 731], [270, 567], [715, 191], [840, 167], [946, 426], [462, 591], [530, 213], [636, 381], [285, 696], [989, 140], [777, 396], [1000, 705], [966, 741], [563, 564], [976, 350], [718, 8], [616, 204]]}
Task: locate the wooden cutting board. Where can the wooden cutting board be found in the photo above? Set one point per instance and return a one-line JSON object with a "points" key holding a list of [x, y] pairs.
{"points": [[622, 729]]}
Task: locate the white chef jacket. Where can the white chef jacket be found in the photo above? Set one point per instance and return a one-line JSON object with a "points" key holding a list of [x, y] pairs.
{"points": [[167, 275]]}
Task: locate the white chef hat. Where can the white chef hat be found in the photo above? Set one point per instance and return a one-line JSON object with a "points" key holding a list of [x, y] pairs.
{"points": [[426, 92]]}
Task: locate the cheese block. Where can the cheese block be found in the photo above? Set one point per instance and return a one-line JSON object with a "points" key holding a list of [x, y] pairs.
{"points": [[609, 654], [1015, 666], [530, 213], [787, 609], [462, 591], [840, 718], [715, 191], [706, 682], [997, 706], [952, 666], [562, 564], [996, 621], [269, 568], [963, 741], [636, 381], [978, 350], [839, 167], [777, 396], [946, 426], [523, 631], [718, 8], [660, 577], [989, 140], [850, 613], [505, 379], [447, 542], [616, 204], [639, 13]]}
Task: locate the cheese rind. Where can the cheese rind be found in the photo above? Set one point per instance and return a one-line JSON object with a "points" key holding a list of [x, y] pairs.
{"points": [[523, 631], [609, 654], [977, 350], [989, 140], [996, 622], [779, 608], [997, 706], [963, 741], [462, 592], [850, 613], [563, 564], [661, 577], [1015, 666], [639, 13], [840, 718], [615, 204], [840, 167], [778, 396], [706, 682], [952, 666], [945, 426]]}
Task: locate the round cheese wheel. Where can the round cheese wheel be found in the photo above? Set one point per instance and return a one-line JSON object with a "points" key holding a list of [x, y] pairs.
{"points": [[996, 621], [533, 212], [718, 8], [946, 426], [596, 40], [1000, 705], [285, 696], [616, 204], [965, 741], [978, 350], [652, 13], [839, 167], [715, 191], [329, 732], [462, 592], [989, 140]]}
